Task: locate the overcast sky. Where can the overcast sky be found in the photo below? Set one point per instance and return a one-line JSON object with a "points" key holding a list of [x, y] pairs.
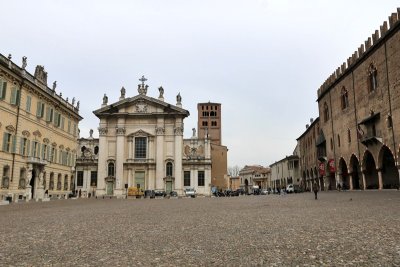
{"points": [[263, 60]]}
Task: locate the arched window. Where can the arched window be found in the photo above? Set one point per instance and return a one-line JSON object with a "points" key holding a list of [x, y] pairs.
{"points": [[59, 181], [169, 169], [22, 177], [96, 150], [326, 112], [5, 181], [66, 182], [111, 169], [51, 184], [344, 98], [349, 135], [372, 78]]}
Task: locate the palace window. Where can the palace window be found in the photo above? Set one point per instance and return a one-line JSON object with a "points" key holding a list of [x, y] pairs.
{"points": [[59, 182], [51, 183], [66, 182], [344, 98], [8, 142], [186, 178], [5, 181], [40, 109], [169, 169], [326, 112], [213, 123], [204, 123], [79, 178], [22, 177], [372, 78], [348, 135], [140, 147], [15, 96], [3, 89], [111, 169], [24, 147], [49, 114], [200, 178], [28, 103], [96, 150]]}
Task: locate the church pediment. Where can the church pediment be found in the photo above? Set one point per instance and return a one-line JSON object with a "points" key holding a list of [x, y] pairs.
{"points": [[140, 133], [140, 105]]}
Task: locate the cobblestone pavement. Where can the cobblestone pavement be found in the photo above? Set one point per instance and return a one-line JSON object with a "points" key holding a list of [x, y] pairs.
{"points": [[338, 229]]}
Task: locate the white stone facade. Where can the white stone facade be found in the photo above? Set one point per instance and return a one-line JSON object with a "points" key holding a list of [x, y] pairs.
{"points": [[141, 144]]}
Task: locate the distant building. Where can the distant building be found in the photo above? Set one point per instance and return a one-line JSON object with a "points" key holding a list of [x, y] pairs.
{"points": [[234, 182], [285, 172], [87, 166], [209, 126], [39, 131], [252, 176]]}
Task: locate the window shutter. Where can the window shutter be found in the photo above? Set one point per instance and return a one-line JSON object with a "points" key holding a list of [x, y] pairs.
{"points": [[48, 152], [18, 97], [47, 113], [3, 90], [5, 137], [21, 146], [55, 156], [43, 148], [14, 144], [39, 109], [62, 123], [28, 147], [38, 150], [28, 103], [13, 99]]}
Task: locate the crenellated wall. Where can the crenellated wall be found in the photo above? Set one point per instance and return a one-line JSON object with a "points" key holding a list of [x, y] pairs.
{"points": [[369, 45]]}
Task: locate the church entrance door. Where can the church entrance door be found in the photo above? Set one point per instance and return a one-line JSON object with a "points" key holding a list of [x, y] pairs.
{"points": [[168, 187], [110, 188]]}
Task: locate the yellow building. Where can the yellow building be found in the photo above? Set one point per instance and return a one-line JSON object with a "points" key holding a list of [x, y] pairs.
{"points": [[38, 131]]}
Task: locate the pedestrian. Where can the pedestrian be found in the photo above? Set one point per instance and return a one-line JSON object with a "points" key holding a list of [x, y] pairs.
{"points": [[339, 186], [316, 189]]}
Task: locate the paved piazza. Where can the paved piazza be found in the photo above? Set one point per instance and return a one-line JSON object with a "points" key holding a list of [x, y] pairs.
{"points": [[341, 228]]}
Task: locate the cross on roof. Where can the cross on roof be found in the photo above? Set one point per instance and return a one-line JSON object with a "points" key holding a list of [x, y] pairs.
{"points": [[143, 79]]}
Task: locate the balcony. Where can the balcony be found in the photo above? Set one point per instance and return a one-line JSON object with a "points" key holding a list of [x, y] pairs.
{"points": [[37, 161]]}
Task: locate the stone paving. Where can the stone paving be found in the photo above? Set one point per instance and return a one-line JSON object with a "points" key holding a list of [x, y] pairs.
{"points": [[338, 229]]}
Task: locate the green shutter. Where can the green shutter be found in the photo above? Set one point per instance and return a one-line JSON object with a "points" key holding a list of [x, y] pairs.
{"points": [[55, 156], [28, 103], [38, 150], [38, 109], [42, 111], [28, 147], [5, 138], [3, 89], [48, 152], [14, 144], [47, 113], [21, 146], [62, 123], [13, 99], [43, 148]]}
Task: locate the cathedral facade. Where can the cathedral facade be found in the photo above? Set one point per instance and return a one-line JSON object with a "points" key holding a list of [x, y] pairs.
{"points": [[141, 145]]}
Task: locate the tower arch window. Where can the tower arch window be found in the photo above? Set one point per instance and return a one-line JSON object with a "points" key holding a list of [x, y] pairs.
{"points": [[326, 112], [344, 98], [213, 123], [169, 169], [372, 78], [204, 123]]}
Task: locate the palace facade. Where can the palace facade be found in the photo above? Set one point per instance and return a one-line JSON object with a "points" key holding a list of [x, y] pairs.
{"points": [[39, 130]]}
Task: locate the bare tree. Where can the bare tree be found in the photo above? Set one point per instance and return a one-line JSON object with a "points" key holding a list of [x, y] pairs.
{"points": [[233, 171]]}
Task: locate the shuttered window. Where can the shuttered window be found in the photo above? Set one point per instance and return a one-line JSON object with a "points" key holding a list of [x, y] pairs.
{"points": [[28, 103], [3, 89], [40, 109], [15, 96]]}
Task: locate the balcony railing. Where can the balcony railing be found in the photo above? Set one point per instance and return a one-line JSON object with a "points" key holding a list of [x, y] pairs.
{"points": [[38, 161]]}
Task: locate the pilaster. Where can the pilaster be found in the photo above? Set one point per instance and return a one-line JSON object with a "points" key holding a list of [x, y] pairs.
{"points": [[160, 131], [178, 157], [102, 161], [120, 153]]}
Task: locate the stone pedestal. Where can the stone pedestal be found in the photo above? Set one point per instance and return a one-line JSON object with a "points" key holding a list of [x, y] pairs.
{"points": [[39, 193], [28, 192]]}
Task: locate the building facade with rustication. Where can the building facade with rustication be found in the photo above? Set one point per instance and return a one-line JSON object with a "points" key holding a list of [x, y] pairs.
{"points": [[141, 145], [359, 110], [39, 131]]}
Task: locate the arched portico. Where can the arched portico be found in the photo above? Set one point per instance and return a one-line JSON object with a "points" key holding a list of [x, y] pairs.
{"points": [[344, 178], [355, 173], [370, 172], [388, 169]]}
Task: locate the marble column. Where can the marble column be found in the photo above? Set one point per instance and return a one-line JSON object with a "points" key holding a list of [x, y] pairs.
{"points": [[130, 178], [130, 147], [178, 157], [351, 181], [119, 163], [160, 131], [102, 161], [364, 185]]}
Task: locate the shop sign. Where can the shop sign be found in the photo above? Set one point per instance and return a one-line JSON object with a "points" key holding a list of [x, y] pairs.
{"points": [[322, 168]]}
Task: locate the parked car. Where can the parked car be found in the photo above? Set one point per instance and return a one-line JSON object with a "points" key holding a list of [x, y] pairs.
{"points": [[190, 192], [240, 191], [235, 193], [290, 189], [264, 191], [173, 194], [149, 193], [160, 193]]}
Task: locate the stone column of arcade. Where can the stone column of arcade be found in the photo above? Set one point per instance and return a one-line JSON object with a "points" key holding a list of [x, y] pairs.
{"points": [[364, 185], [351, 181], [380, 180]]}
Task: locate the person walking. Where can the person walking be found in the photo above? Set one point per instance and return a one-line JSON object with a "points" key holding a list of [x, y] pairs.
{"points": [[315, 189]]}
